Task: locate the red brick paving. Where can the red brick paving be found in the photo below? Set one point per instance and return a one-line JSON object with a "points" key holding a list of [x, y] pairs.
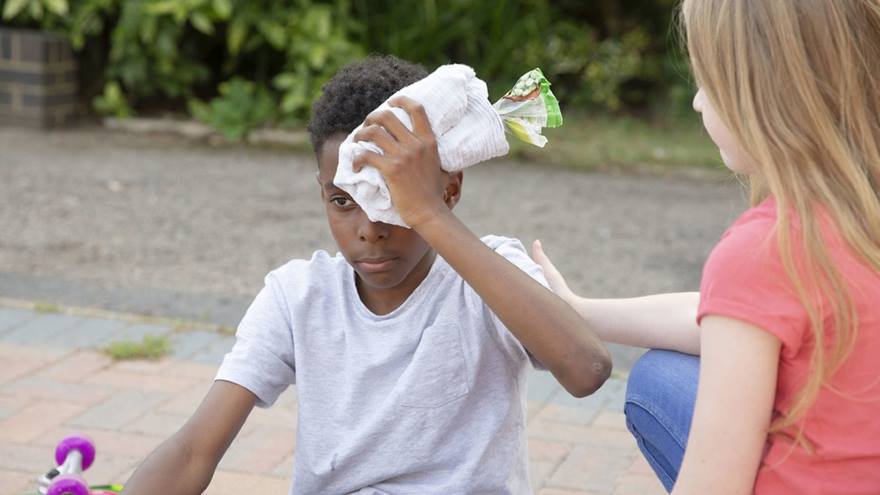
{"points": [[45, 395]]}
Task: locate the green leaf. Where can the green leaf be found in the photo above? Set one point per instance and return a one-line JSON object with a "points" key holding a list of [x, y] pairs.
{"points": [[148, 29], [163, 7], [223, 9], [238, 31], [274, 34], [201, 22], [166, 46], [319, 22], [35, 8], [318, 55], [57, 7], [286, 80], [13, 7], [292, 102]]}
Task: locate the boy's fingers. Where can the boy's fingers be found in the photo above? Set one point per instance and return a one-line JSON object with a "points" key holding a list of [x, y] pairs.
{"points": [[378, 135], [369, 158], [421, 125], [391, 123]]}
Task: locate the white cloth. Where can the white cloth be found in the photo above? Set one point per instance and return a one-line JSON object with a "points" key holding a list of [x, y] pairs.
{"points": [[427, 399], [468, 131]]}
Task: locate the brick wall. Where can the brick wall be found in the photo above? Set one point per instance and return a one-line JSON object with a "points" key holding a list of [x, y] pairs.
{"points": [[37, 79]]}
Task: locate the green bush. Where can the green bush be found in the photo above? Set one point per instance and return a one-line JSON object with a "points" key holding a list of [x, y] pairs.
{"points": [[238, 64], [235, 64], [241, 106], [291, 48], [503, 39]]}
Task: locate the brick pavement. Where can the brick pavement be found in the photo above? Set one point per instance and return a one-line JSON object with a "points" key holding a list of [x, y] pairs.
{"points": [[54, 382]]}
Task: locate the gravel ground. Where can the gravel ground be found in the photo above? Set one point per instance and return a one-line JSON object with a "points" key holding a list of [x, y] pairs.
{"points": [[164, 226]]}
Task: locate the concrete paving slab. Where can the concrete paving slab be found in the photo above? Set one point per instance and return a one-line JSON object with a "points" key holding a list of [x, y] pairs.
{"points": [[45, 330], [95, 333], [12, 317], [185, 345]]}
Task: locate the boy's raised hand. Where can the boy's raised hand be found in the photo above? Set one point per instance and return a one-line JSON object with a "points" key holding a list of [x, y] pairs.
{"points": [[548, 327], [410, 164]]}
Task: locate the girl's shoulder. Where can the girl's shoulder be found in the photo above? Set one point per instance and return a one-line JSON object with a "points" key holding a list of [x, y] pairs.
{"points": [[757, 219], [745, 278], [751, 239]]}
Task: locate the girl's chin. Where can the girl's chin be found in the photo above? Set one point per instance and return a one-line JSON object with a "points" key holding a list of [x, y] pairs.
{"points": [[725, 159], [732, 166]]}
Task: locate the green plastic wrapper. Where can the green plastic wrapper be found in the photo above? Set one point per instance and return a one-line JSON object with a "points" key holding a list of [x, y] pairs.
{"points": [[529, 107]]}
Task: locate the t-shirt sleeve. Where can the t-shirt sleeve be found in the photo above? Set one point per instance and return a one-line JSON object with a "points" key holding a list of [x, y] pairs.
{"points": [[744, 279], [262, 358], [514, 251]]}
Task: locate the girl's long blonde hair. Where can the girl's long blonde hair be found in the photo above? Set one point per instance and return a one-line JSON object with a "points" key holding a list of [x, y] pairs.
{"points": [[796, 83]]}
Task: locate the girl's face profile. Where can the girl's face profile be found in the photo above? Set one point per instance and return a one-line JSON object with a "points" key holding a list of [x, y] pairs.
{"points": [[733, 155]]}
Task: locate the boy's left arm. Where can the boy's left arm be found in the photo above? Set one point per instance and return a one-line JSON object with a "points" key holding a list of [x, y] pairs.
{"points": [[547, 326]]}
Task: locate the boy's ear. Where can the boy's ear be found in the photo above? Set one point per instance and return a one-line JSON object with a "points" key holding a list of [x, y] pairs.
{"points": [[452, 193]]}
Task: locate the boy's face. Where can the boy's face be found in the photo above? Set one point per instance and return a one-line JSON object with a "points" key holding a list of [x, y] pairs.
{"points": [[383, 255]]}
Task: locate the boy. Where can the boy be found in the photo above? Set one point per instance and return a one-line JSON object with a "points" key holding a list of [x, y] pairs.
{"points": [[409, 350]]}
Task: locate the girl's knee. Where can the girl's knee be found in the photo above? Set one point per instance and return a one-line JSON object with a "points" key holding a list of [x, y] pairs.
{"points": [[658, 370], [662, 383]]}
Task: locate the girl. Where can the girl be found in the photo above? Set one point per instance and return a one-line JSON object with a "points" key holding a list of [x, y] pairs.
{"points": [[787, 320]]}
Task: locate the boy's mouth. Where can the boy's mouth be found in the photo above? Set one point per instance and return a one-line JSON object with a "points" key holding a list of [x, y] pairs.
{"points": [[376, 265]]}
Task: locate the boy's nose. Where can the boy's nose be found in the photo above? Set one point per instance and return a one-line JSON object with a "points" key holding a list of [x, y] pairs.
{"points": [[372, 231]]}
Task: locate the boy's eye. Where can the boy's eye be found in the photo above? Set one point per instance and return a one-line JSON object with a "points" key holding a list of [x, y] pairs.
{"points": [[341, 201]]}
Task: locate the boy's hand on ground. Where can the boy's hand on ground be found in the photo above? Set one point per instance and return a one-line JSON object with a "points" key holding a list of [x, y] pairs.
{"points": [[410, 164], [554, 278]]}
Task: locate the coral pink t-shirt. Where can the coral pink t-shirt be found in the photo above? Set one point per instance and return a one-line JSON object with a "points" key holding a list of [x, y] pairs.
{"points": [[744, 279]]}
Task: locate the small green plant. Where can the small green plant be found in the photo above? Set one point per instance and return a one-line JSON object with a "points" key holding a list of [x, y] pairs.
{"points": [[43, 307], [113, 101], [151, 347], [241, 107]]}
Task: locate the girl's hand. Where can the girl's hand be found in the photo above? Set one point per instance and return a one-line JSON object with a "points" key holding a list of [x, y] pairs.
{"points": [[410, 164], [556, 280]]}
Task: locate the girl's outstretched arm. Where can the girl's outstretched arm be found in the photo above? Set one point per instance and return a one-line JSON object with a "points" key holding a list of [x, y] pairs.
{"points": [[185, 463], [660, 321], [735, 399]]}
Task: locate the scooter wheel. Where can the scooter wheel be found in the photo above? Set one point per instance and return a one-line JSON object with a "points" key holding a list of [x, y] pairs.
{"points": [[68, 484], [76, 442]]}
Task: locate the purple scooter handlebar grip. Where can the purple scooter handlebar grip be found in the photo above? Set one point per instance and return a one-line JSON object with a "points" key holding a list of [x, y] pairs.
{"points": [[75, 442]]}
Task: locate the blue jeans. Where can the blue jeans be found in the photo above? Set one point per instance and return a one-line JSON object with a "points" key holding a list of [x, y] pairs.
{"points": [[660, 396]]}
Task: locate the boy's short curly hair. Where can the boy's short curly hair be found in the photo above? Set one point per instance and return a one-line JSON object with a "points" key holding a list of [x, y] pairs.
{"points": [[355, 91]]}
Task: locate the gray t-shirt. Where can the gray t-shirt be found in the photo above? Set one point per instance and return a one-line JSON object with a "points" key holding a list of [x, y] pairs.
{"points": [[428, 399]]}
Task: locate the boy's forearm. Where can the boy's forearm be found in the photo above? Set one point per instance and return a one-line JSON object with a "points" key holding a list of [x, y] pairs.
{"points": [[660, 321], [170, 469], [548, 327], [185, 463]]}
